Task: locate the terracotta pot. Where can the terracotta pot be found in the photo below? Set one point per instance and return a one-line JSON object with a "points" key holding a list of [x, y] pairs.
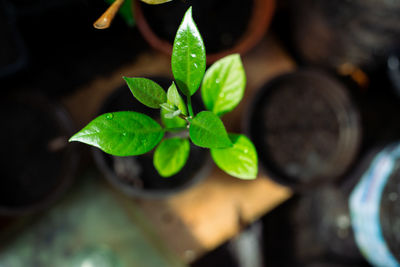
{"points": [[260, 17], [306, 129]]}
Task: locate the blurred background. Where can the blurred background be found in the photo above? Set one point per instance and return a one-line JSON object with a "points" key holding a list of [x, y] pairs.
{"points": [[321, 105]]}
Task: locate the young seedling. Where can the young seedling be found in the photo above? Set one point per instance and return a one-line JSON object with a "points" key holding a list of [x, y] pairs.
{"points": [[128, 133]]}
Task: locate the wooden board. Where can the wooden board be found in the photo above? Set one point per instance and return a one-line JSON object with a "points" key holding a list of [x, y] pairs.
{"points": [[203, 217]]}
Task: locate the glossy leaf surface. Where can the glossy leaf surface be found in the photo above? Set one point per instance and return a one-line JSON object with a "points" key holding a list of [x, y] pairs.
{"points": [[147, 91], [223, 85], [174, 98], [188, 59], [171, 155], [175, 122], [240, 160], [123, 133], [207, 130], [175, 102]]}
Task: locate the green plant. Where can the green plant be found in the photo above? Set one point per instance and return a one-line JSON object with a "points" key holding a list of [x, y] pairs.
{"points": [[222, 87]]}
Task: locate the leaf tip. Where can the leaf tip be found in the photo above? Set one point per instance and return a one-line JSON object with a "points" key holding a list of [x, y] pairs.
{"points": [[73, 138]]}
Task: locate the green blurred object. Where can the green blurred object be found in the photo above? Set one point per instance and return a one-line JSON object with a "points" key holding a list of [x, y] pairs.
{"points": [[93, 227], [126, 12]]}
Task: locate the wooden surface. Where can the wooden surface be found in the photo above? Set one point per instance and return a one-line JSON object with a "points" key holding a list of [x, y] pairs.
{"points": [[203, 217]]}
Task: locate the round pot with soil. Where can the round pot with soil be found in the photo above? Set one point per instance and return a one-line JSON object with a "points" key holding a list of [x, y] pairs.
{"points": [[305, 128], [135, 175], [39, 164], [359, 32], [227, 28]]}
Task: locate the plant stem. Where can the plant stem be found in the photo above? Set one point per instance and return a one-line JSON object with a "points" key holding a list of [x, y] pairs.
{"points": [[105, 20], [189, 104]]}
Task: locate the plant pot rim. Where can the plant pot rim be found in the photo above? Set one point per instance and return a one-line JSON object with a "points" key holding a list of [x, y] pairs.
{"points": [[350, 142], [134, 192], [131, 191], [69, 162], [261, 18]]}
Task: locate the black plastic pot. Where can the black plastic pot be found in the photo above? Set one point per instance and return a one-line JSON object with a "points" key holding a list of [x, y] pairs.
{"points": [[393, 71], [331, 33], [305, 128], [38, 164], [136, 176], [65, 58], [312, 229], [13, 54], [35, 7]]}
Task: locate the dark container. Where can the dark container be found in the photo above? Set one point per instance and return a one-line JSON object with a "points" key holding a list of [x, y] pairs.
{"points": [[312, 229], [305, 127], [135, 175], [13, 54], [39, 164], [226, 28], [331, 33], [64, 58]]}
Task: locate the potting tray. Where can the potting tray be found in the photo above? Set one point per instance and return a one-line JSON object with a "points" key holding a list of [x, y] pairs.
{"points": [[201, 218]]}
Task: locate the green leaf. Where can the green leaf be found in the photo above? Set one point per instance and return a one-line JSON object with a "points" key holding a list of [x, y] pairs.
{"points": [[223, 85], [123, 133], [240, 160], [174, 98], [168, 107], [207, 130], [171, 155], [146, 91], [188, 59], [171, 111], [175, 122]]}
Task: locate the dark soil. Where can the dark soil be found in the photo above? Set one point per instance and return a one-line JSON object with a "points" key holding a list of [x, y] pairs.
{"points": [[297, 130], [221, 25], [31, 165], [138, 171], [302, 129], [390, 212]]}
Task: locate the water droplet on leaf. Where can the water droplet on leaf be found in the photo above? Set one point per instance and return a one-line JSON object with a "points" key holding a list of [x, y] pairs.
{"points": [[110, 116], [193, 55]]}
